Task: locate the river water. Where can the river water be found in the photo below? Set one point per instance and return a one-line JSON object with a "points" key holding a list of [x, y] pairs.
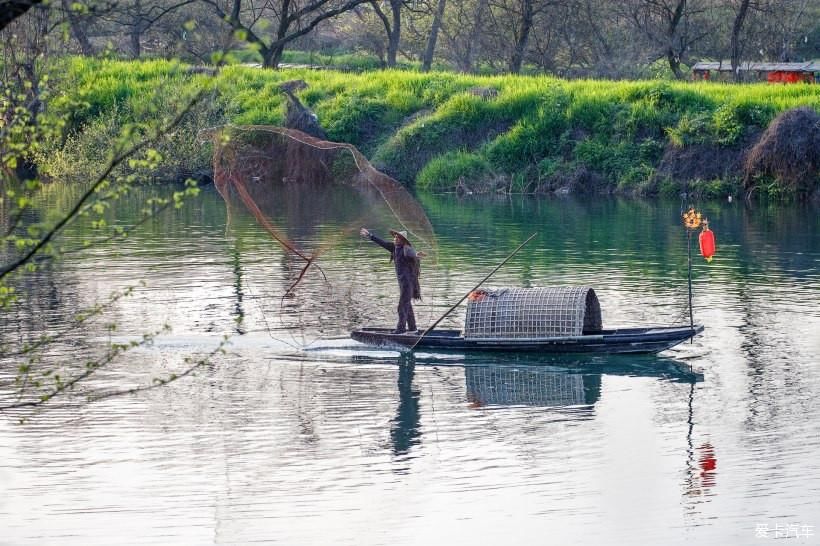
{"points": [[296, 435]]}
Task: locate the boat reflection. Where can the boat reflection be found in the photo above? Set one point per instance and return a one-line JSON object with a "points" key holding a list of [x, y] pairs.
{"points": [[570, 385], [562, 382], [529, 386], [530, 380]]}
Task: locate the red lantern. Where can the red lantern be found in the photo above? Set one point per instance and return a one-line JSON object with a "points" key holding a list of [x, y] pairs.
{"points": [[707, 242]]}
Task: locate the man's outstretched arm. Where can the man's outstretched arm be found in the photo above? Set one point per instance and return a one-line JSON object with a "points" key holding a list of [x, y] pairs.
{"points": [[390, 247]]}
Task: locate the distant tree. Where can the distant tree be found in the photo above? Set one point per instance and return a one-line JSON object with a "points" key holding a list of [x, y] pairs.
{"points": [[463, 31], [668, 28], [137, 17], [784, 33], [512, 23], [521, 32], [576, 37], [362, 29], [291, 19], [77, 16], [392, 27], [808, 45], [741, 12], [438, 16]]}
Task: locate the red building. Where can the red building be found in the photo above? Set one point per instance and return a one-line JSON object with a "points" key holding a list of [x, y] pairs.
{"points": [[808, 72]]}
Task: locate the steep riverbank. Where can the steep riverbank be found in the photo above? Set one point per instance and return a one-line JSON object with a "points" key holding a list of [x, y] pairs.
{"points": [[446, 132]]}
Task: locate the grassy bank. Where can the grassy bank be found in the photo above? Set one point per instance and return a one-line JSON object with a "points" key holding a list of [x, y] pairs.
{"points": [[429, 130]]}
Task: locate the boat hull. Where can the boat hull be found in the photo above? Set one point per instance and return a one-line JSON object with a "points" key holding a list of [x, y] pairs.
{"points": [[620, 341]]}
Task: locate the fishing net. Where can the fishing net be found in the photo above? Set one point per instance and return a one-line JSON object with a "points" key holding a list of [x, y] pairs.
{"points": [[312, 196]]}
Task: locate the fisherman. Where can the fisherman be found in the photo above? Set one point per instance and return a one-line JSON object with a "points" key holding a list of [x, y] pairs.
{"points": [[407, 263]]}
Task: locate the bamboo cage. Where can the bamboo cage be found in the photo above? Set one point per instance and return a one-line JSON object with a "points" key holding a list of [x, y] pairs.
{"points": [[532, 313]]}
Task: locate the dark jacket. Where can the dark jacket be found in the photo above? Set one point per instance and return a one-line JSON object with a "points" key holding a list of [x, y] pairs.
{"points": [[408, 265]]}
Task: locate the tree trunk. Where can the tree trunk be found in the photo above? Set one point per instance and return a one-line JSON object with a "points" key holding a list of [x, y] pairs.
{"points": [[736, 28], [671, 55], [274, 57], [527, 14], [77, 29], [674, 64], [431, 41], [467, 64], [136, 31], [135, 41], [394, 33], [271, 57]]}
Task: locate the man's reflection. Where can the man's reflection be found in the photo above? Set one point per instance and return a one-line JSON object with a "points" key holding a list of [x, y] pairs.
{"points": [[404, 430]]}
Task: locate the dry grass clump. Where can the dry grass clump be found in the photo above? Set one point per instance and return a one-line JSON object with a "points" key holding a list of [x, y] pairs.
{"points": [[788, 151], [298, 116]]}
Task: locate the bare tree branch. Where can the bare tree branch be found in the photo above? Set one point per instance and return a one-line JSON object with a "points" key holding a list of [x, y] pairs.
{"points": [[12, 9]]}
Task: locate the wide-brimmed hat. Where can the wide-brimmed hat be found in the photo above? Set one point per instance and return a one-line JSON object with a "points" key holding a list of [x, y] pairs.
{"points": [[402, 234]]}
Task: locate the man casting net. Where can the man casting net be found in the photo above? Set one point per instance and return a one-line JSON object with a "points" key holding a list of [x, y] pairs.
{"points": [[312, 196]]}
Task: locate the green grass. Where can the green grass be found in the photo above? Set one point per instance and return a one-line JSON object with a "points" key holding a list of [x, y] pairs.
{"points": [[338, 60], [447, 171], [426, 129]]}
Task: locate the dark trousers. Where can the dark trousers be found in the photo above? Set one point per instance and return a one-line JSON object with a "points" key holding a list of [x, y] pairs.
{"points": [[407, 319]]}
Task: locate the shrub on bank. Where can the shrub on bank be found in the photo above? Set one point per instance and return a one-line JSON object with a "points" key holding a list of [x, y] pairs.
{"points": [[114, 105], [453, 169]]}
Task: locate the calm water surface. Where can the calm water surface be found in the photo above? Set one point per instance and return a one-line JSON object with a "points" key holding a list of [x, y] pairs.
{"points": [[299, 436]]}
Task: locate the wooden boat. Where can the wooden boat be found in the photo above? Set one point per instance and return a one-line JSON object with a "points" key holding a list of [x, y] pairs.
{"points": [[537, 320], [622, 340]]}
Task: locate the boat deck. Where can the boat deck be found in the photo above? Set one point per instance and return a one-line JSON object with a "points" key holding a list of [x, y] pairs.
{"points": [[620, 340]]}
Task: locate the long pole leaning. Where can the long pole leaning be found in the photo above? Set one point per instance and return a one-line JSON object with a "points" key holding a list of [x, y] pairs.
{"points": [[450, 310]]}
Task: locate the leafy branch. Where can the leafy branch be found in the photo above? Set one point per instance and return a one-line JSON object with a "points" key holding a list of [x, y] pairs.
{"points": [[194, 364], [61, 385]]}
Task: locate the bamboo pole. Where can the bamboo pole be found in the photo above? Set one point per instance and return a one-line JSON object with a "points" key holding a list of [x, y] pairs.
{"points": [[451, 309], [689, 252]]}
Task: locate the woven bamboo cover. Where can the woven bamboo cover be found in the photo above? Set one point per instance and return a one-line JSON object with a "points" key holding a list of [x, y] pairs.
{"points": [[532, 313]]}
